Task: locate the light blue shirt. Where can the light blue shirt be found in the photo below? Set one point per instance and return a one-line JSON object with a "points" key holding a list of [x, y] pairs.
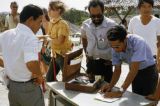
{"points": [[137, 50]]}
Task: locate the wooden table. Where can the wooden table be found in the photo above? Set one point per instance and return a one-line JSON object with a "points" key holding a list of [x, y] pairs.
{"points": [[75, 98]]}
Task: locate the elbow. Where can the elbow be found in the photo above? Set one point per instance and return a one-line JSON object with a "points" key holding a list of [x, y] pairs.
{"points": [[29, 66], [34, 68], [32, 65]]}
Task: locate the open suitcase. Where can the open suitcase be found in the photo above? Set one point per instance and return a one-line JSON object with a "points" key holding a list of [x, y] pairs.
{"points": [[74, 80]]}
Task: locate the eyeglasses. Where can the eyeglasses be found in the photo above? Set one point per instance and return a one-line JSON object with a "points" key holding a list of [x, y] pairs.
{"points": [[15, 7], [96, 16]]}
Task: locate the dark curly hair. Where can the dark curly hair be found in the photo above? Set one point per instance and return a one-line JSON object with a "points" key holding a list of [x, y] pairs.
{"points": [[117, 33]]}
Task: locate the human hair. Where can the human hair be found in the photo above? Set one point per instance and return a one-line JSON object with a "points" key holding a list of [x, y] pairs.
{"points": [[45, 13], [30, 11], [124, 21], [151, 2], [156, 15], [57, 5], [117, 33], [95, 3], [13, 2]]}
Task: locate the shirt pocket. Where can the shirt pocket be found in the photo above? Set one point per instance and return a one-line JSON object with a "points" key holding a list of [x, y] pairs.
{"points": [[102, 41]]}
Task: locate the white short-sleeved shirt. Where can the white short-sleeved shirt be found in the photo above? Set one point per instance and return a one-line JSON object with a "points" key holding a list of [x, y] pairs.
{"points": [[149, 32], [19, 46], [9, 23], [93, 35]]}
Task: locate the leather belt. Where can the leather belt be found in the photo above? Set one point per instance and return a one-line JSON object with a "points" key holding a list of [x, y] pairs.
{"points": [[31, 80], [107, 62]]}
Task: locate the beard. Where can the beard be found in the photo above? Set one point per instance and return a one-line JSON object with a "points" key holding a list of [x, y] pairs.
{"points": [[98, 22]]}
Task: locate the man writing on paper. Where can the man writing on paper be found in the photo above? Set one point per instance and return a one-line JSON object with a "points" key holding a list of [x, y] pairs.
{"points": [[135, 51]]}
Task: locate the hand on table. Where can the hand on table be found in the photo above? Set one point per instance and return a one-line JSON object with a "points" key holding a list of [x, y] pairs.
{"points": [[113, 94], [105, 88]]}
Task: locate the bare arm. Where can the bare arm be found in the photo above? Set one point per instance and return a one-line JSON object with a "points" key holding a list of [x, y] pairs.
{"points": [[157, 93], [158, 41], [131, 75], [34, 68], [42, 37], [158, 53], [1, 62], [84, 42], [116, 75], [117, 72]]}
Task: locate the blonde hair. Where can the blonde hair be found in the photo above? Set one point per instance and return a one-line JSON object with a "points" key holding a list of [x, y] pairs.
{"points": [[57, 4]]}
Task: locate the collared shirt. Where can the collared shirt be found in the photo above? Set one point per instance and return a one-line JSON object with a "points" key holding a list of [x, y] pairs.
{"points": [[19, 46], [98, 46], [58, 28], [137, 50], [149, 31], [9, 21]]}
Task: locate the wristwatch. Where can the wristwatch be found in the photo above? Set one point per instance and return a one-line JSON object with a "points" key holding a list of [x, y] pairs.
{"points": [[121, 89]]}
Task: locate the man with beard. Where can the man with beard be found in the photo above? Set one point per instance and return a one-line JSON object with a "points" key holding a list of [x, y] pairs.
{"points": [[95, 43]]}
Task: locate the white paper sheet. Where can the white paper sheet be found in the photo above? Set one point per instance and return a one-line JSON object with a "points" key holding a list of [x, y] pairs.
{"points": [[100, 97]]}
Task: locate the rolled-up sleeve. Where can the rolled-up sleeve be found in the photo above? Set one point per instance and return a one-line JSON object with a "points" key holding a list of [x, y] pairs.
{"points": [[31, 49]]}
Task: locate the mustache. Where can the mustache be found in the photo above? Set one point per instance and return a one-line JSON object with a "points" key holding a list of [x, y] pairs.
{"points": [[97, 22]]}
